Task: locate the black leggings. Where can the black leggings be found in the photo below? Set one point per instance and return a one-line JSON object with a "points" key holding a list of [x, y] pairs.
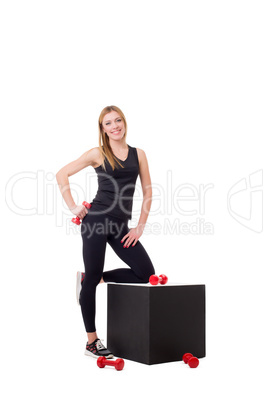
{"points": [[96, 231]]}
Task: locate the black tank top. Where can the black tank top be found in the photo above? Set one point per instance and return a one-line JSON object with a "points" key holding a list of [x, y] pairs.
{"points": [[116, 187]]}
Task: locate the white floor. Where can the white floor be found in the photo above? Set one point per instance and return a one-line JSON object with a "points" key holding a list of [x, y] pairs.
{"points": [[46, 363]]}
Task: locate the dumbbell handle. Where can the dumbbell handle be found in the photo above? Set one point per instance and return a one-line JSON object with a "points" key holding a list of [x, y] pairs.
{"points": [[111, 362], [77, 220]]}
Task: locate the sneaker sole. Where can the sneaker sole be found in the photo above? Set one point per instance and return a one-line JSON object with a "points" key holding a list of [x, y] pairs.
{"points": [[88, 353], [78, 286]]}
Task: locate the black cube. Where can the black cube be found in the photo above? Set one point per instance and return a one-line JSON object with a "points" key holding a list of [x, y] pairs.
{"points": [[156, 324]]}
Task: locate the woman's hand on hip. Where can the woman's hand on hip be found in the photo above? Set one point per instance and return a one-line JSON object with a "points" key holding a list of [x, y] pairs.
{"points": [[133, 235]]}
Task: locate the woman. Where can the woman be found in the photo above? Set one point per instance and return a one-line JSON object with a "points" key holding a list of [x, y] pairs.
{"points": [[117, 165]]}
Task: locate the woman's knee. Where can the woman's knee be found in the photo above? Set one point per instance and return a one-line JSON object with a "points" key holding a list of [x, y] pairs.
{"points": [[146, 272]]}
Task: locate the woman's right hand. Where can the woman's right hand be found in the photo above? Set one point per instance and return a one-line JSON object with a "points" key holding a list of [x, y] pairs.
{"points": [[80, 211]]}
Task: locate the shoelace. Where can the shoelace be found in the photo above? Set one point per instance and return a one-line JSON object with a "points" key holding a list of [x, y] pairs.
{"points": [[99, 345]]}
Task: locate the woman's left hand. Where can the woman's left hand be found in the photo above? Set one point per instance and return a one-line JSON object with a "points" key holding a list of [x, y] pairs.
{"points": [[133, 235]]}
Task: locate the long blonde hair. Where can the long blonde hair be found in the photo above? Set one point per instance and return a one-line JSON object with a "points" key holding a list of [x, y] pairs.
{"points": [[104, 144]]}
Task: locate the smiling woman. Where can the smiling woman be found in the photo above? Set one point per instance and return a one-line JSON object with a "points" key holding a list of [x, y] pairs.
{"points": [[117, 165], [112, 134]]}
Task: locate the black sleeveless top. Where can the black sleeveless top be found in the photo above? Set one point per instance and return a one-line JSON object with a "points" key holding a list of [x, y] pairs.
{"points": [[116, 187]]}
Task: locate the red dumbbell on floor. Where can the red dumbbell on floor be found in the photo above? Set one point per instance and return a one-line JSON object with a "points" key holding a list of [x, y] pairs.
{"points": [[77, 220], [118, 363], [155, 280], [189, 359]]}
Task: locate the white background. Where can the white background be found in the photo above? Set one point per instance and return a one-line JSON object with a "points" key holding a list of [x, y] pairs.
{"points": [[191, 79]]}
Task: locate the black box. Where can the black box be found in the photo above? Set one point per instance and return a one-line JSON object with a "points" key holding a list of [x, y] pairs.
{"points": [[156, 324]]}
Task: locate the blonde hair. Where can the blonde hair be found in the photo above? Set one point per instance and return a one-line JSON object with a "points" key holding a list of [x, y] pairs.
{"points": [[104, 144]]}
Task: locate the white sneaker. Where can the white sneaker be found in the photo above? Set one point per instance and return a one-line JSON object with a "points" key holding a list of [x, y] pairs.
{"points": [[97, 349]]}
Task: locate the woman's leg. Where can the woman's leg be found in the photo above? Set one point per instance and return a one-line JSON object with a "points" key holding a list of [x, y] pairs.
{"points": [[141, 267], [94, 246]]}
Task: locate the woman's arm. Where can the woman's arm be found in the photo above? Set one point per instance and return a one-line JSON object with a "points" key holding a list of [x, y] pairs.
{"points": [[135, 233], [85, 160], [146, 187]]}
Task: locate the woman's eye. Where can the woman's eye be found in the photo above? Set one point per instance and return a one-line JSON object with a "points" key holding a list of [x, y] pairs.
{"points": [[117, 120]]}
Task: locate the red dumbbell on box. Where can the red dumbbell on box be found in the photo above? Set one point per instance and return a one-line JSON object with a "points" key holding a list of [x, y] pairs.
{"points": [[155, 280]]}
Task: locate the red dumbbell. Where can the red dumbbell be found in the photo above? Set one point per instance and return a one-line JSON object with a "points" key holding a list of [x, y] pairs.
{"points": [[155, 280], [189, 359], [76, 220], [118, 363]]}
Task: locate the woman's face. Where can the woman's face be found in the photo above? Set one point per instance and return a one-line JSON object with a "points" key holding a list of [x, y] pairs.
{"points": [[113, 125]]}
